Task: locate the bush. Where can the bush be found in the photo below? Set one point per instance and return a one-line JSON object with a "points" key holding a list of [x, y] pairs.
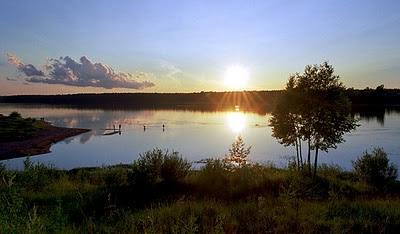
{"points": [[301, 186], [116, 176], [36, 176], [213, 179], [15, 114], [158, 170], [375, 169], [217, 180]]}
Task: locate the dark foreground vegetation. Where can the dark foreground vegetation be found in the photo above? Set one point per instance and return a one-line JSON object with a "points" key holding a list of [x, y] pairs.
{"points": [[159, 193]]}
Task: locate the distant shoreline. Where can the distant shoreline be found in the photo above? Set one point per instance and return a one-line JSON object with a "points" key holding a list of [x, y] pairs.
{"points": [[247, 100], [40, 143]]}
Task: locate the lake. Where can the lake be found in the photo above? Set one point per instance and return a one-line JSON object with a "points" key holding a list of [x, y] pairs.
{"points": [[195, 135]]}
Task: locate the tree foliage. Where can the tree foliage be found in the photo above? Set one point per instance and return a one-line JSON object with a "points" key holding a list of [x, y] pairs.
{"points": [[238, 153], [313, 110]]}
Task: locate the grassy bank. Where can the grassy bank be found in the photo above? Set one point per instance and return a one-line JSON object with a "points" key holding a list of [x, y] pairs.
{"points": [[14, 128], [27, 136], [159, 193]]}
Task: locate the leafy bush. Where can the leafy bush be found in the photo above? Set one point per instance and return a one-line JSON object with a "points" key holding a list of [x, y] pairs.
{"points": [[375, 169], [301, 186], [14, 114], [255, 180], [157, 170], [213, 178], [116, 176], [36, 176], [216, 179]]}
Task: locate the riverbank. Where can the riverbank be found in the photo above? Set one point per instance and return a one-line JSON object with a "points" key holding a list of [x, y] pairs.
{"points": [[160, 193], [40, 141]]}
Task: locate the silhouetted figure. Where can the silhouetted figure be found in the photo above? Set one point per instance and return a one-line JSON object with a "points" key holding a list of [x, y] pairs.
{"points": [[114, 127], [144, 127], [120, 127]]}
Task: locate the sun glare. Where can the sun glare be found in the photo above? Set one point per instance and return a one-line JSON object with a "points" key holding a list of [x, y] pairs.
{"points": [[236, 77], [236, 121]]}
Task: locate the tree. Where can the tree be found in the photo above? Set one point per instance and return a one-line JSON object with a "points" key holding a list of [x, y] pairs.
{"points": [[238, 153], [313, 109]]}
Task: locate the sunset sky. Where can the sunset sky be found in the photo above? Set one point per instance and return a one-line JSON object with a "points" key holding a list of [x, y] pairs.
{"points": [[50, 47]]}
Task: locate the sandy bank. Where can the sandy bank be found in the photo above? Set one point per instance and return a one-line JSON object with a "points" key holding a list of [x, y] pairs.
{"points": [[40, 143]]}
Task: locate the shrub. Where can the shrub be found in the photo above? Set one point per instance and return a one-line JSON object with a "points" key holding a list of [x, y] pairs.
{"points": [[159, 170], [116, 176], [216, 180], [213, 179], [15, 114], [301, 186], [375, 169], [36, 176]]}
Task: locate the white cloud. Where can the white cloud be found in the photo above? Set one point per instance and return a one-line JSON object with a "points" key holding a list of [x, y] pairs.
{"points": [[173, 72], [82, 73]]}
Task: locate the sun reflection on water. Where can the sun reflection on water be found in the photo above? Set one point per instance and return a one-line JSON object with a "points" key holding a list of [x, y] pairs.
{"points": [[237, 121]]}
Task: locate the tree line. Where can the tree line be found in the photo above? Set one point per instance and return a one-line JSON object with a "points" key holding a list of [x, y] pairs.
{"points": [[254, 100]]}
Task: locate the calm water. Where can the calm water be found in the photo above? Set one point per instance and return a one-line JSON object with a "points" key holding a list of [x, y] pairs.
{"points": [[196, 135]]}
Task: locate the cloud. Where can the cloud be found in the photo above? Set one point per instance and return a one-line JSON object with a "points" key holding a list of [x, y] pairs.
{"points": [[84, 73], [173, 72], [28, 69]]}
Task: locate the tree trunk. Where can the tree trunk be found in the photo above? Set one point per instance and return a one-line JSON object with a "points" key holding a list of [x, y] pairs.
{"points": [[315, 161], [297, 155], [301, 154], [309, 156]]}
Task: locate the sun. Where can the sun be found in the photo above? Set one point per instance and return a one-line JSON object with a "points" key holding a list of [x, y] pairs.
{"points": [[236, 77], [236, 121]]}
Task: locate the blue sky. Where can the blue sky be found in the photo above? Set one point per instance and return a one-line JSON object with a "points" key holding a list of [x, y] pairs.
{"points": [[185, 46]]}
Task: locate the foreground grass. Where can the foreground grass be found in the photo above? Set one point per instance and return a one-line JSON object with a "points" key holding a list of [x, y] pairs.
{"points": [[160, 194]]}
